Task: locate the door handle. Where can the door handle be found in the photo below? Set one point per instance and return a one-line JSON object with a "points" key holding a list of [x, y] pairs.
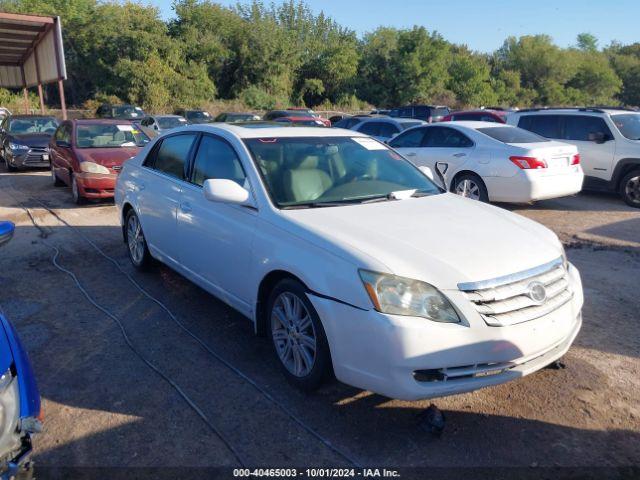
{"points": [[411, 154], [459, 155], [185, 207]]}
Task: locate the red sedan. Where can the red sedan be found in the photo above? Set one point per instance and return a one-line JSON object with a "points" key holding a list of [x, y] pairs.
{"points": [[88, 154], [485, 115]]}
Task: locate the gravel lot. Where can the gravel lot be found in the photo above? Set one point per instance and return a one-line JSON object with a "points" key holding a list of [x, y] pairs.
{"points": [[104, 407]]}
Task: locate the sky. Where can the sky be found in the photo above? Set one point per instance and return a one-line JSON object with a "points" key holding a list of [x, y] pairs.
{"points": [[482, 25]]}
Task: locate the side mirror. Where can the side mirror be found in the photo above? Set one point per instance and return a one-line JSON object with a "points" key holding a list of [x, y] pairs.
{"points": [[6, 231], [222, 190], [597, 137]]}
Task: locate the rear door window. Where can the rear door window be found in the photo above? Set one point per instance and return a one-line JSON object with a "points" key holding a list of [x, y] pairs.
{"points": [[388, 130], [582, 128], [443, 137], [172, 155], [371, 128], [421, 112], [545, 125]]}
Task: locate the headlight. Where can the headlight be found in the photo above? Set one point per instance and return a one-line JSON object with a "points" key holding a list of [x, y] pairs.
{"points": [[404, 296], [90, 167], [17, 146], [9, 411]]}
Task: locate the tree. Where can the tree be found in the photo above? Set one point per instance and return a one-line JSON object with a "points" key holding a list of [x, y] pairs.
{"points": [[587, 42]]}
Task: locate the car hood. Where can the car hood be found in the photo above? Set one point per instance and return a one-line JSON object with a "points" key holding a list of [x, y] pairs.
{"points": [[31, 139], [441, 239], [108, 157]]}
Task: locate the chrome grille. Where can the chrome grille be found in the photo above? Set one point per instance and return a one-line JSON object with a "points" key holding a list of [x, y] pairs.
{"points": [[509, 300], [35, 155]]}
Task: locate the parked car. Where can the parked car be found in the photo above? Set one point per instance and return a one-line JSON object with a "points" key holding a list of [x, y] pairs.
{"points": [[120, 112], [4, 113], [347, 122], [156, 124], [380, 112], [302, 121], [484, 115], [88, 154], [237, 117], [195, 116], [294, 112], [491, 161], [19, 397], [24, 140], [608, 140], [338, 118], [351, 259], [428, 113], [383, 128]]}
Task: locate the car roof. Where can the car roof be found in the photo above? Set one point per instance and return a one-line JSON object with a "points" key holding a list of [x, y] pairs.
{"points": [[499, 113], [167, 115], [104, 121], [581, 110], [32, 116], [473, 124], [395, 121], [269, 130]]}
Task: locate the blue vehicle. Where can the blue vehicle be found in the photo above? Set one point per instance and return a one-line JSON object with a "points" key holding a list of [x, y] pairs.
{"points": [[19, 398]]}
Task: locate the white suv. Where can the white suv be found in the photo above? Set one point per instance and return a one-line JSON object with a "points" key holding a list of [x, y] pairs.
{"points": [[608, 140], [351, 259]]}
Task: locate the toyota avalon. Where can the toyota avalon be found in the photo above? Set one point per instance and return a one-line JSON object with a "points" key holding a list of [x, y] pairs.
{"points": [[351, 259]]}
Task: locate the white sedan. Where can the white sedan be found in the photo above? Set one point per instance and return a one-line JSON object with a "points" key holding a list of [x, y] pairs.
{"points": [[351, 259], [494, 162]]}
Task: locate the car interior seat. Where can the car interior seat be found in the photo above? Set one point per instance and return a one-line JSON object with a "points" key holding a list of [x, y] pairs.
{"points": [[303, 181]]}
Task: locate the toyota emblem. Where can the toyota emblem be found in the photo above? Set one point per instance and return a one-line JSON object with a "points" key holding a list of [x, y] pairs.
{"points": [[537, 292]]}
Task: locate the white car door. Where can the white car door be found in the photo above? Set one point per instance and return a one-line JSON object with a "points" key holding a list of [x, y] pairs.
{"points": [[446, 146], [216, 237], [595, 143], [159, 185]]}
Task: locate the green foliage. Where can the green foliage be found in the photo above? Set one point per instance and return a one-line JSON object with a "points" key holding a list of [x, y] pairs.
{"points": [[278, 54], [15, 101]]}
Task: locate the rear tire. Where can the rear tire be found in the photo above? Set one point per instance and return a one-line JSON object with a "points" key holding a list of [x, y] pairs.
{"points": [[630, 188], [297, 336], [471, 186], [136, 243]]}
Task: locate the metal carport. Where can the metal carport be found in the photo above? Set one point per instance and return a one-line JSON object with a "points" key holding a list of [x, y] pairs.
{"points": [[31, 54]]}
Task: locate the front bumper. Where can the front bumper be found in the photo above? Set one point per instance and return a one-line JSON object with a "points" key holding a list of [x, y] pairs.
{"points": [[29, 159], [383, 353], [96, 185], [533, 185], [20, 461]]}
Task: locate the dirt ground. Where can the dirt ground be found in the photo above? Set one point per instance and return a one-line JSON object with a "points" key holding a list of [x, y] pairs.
{"points": [[104, 407]]}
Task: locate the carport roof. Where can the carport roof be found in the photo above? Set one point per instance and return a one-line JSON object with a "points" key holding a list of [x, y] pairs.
{"points": [[31, 50]]}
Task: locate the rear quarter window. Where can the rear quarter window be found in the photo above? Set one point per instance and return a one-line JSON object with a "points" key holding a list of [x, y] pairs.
{"points": [[547, 126]]}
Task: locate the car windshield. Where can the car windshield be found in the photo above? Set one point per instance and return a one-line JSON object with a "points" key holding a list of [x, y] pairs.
{"points": [[127, 111], [512, 135], [20, 126], [109, 136], [198, 115], [318, 172], [170, 122], [628, 124]]}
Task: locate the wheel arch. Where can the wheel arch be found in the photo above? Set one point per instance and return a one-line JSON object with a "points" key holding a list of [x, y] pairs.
{"points": [[623, 167], [267, 284]]}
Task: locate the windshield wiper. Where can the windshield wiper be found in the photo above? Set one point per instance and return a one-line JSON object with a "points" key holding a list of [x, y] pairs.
{"points": [[398, 195]]}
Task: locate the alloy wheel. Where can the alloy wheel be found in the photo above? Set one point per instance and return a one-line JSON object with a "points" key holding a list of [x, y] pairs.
{"points": [[632, 189], [468, 188], [293, 334], [135, 239]]}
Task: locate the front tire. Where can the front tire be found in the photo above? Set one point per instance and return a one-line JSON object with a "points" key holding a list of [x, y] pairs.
{"points": [[136, 243], [630, 188], [75, 191], [10, 168], [54, 178], [297, 336], [471, 186]]}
